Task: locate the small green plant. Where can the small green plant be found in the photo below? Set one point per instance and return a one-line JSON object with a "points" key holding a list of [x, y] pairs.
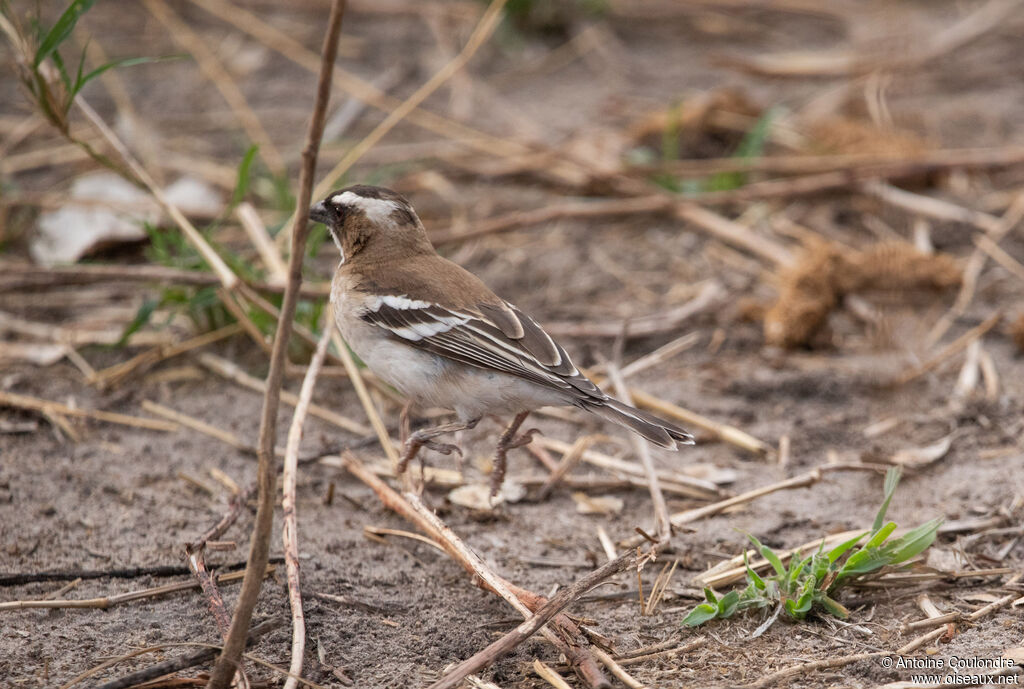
{"points": [[752, 146], [50, 80], [811, 583]]}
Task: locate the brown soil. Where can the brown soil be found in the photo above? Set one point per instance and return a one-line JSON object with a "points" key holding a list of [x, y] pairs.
{"points": [[115, 499]]}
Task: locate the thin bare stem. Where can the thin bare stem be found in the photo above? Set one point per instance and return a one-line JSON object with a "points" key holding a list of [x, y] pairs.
{"points": [[290, 533], [260, 544], [11, 399], [356, 377], [215, 71], [488, 22]]}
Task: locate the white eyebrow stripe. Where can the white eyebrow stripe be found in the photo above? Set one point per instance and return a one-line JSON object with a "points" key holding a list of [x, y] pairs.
{"points": [[376, 210]]}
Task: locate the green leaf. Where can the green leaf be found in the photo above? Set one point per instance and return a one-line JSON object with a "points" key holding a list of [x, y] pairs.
{"points": [[754, 578], [74, 88], [913, 542], [754, 142], [795, 568], [751, 146], [244, 176], [123, 62], [142, 317], [727, 604], [833, 606], [820, 566], [701, 614], [769, 554], [878, 538], [710, 595], [670, 135], [672, 183], [861, 562], [803, 604], [892, 479], [62, 70], [841, 549], [61, 30]]}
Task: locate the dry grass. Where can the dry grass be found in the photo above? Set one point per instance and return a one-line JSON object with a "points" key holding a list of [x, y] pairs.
{"points": [[624, 201], [815, 285]]}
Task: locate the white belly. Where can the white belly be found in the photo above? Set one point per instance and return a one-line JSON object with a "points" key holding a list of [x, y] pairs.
{"points": [[431, 380]]}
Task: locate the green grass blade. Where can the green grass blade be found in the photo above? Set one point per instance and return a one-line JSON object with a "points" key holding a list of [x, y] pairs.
{"points": [[892, 479], [836, 608], [841, 549], [123, 62], [878, 538], [244, 176], [754, 142], [772, 558], [769, 554], [61, 30], [753, 576], [751, 146], [142, 317], [912, 542], [862, 562], [795, 568], [799, 607], [670, 136], [62, 70]]}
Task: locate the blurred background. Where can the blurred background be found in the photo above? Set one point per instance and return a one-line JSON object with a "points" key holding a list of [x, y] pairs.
{"points": [[795, 225]]}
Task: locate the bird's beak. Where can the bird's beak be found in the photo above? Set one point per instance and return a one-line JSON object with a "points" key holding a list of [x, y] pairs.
{"points": [[320, 213]]}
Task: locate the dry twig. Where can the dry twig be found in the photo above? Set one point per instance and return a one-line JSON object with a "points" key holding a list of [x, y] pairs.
{"points": [[117, 373], [290, 532], [488, 22], [534, 621], [29, 277], [118, 598], [191, 660], [953, 348], [260, 544], [197, 563], [568, 641], [227, 278], [211, 66], [11, 399], [232, 372]]}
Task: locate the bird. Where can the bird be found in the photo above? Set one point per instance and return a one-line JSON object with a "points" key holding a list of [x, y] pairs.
{"points": [[436, 333]]}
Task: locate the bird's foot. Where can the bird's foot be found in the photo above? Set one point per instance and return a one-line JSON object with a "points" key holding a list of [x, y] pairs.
{"points": [[501, 457], [414, 444], [444, 448], [523, 439]]}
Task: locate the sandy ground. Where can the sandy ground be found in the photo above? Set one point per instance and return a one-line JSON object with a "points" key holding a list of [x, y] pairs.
{"points": [[116, 498]]}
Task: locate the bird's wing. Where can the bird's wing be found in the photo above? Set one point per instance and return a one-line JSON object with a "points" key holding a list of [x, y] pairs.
{"points": [[495, 337]]}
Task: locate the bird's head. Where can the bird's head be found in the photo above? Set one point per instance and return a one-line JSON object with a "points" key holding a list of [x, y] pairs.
{"points": [[370, 220]]}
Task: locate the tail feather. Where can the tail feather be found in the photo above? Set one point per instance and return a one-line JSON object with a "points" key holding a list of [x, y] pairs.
{"points": [[649, 426]]}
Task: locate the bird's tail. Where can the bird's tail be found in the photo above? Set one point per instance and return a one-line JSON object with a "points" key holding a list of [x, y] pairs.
{"points": [[647, 425]]}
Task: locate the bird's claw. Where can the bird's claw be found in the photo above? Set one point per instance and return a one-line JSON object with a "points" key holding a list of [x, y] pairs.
{"points": [[443, 448], [523, 439]]}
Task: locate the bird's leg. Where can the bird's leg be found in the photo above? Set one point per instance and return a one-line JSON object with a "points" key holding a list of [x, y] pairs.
{"points": [[404, 424], [509, 441], [404, 431], [425, 437]]}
